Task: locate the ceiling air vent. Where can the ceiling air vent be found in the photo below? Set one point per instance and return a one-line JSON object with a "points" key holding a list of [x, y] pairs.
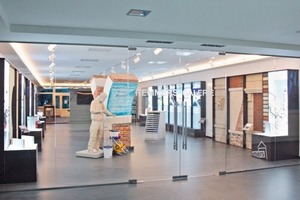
{"points": [[159, 42], [89, 60], [212, 45]]}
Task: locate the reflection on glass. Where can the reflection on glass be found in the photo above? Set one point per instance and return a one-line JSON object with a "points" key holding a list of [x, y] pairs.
{"points": [[6, 106], [187, 93], [159, 98], [278, 104], [44, 99], [179, 103], [150, 93]]}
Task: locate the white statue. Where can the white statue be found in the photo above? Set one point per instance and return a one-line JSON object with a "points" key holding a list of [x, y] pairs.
{"points": [[98, 112]]}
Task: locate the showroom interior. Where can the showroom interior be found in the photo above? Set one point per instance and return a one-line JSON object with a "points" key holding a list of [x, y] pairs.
{"points": [[221, 101]]}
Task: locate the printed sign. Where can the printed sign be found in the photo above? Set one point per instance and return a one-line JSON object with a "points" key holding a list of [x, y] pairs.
{"points": [[120, 98], [261, 151]]}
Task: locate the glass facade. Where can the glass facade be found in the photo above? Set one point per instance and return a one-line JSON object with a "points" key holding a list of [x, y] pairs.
{"points": [[235, 122]]}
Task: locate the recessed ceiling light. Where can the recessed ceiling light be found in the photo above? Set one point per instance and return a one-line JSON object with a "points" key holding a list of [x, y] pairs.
{"points": [[183, 53], [157, 62], [77, 72], [85, 67], [89, 60], [213, 45], [138, 13], [101, 49]]}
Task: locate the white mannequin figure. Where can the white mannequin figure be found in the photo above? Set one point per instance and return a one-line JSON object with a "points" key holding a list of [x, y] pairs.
{"points": [[98, 112]]}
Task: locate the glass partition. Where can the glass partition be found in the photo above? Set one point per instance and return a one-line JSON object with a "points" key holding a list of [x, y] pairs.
{"points": [[263, 116], [231, 117]]}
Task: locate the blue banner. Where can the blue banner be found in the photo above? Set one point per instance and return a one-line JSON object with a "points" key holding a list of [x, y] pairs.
{"points": [[120, 98]]}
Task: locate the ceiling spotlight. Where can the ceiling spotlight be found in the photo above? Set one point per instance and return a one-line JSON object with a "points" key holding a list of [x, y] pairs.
{"points": [[138, 13], [123, 65], [113, 70], [137, 58], [157, 51], [211, 62], [51, 77], [52, 65], [52, 47], [52, 57]]}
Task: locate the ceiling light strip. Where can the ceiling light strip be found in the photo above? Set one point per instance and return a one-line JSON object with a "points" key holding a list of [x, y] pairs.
{"points": [[27, 61]]}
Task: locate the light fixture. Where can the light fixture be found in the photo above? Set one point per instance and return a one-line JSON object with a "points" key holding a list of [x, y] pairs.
{"points": [[52, 65], [138, 13], [51, 69], [123, 65], [137, 58], [211, 62], [52, 57], [113, 70], [157, 51], [52, 47]]}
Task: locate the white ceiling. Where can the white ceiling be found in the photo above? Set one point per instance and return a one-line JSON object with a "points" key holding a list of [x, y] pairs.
{"points": [[253, 27]]}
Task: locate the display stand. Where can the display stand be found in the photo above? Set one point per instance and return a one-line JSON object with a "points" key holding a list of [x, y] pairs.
{"points": [[37, 134], [274, 147], [21, 161], [50, 107], [155, 125], [142, 119]]}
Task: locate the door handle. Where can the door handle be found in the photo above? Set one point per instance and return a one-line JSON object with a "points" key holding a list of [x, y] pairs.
{"points": [[184, 126], [175, 130]]}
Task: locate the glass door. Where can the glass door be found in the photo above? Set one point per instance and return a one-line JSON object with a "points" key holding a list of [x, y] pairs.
{"points": [[62, 105]]}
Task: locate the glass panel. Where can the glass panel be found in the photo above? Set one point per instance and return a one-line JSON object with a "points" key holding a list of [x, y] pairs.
{"points": [[57, 102], [187, 98], [196, 105], [150, 96], [179, 101], [166, 102], [260, 133], [160, 98], [171, 105], [44, 99], [65, 102], [62, 90], [41, 89]]}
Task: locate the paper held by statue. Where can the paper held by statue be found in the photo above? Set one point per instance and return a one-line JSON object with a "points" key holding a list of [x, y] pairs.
{"points": [[120, 89], [97, 82]]}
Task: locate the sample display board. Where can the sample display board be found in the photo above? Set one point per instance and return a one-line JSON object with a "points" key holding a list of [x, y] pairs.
{"points": [[155, 125], [121, 90], [121, 97]]}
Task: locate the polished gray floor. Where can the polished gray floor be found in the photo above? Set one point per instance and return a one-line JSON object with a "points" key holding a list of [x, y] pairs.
{"points": [[152, 163], [271, 184]]}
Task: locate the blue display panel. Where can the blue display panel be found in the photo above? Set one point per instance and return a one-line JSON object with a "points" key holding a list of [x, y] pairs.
{"points": [[120, 98]]}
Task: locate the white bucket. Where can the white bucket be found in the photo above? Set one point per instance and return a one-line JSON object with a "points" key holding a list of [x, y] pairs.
{"points": [[107, 151]]}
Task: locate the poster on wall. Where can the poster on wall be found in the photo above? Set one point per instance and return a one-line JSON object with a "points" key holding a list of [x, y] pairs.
{"points": [[6, 106], [278, 103], [120, 98]]}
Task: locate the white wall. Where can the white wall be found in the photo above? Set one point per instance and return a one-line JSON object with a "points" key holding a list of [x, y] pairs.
{"points": [[265, 65]]}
